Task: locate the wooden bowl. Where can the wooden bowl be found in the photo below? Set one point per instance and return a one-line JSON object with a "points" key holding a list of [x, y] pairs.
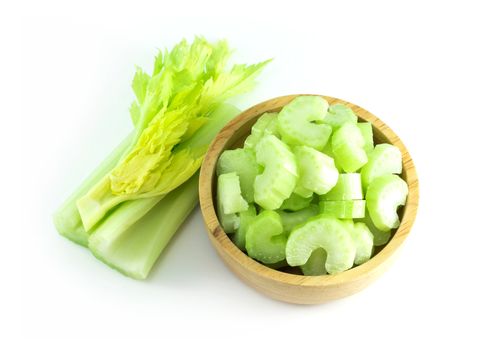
{"points": [[291, 287]]}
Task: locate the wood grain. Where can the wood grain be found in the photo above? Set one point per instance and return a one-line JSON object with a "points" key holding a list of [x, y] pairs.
{"points": [[285, 286]]}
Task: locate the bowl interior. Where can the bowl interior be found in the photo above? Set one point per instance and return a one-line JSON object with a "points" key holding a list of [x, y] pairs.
{"points": [[233, 136]]}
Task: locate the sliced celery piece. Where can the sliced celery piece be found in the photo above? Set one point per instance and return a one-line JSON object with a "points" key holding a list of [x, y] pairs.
{"points": [[245, 219], [329, 152], [347, 144], [229, 222], [362, 238], [229, 193], [315, 266], [302, 191], [265, 240], [267, 124], [243, 163], [343, 209], [135, 250], [338, 115], [385, 159], [317, 172], [348, 187], [296, 202], [299, 122], [67, 219], [367, 133], [292, 219], [278, 179], [321, 232], [379, 237], [384, 195]]}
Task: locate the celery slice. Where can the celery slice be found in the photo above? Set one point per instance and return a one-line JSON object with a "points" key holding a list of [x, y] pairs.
{"points": [[329, 152], [315, 266], [384, 195], [265, 240], [267, 124], [229, 222], [348, 187], [362, 238], [367, 133], [379, 237], [135, 250], [385, 159], [278, 179], [322, 232], [338, 115], [229, 194], [348, 147], [299, 122], [292, 219], [67, 219], [317, 172], [296, 202], [245, 219], [343, 209], [243, 163]]}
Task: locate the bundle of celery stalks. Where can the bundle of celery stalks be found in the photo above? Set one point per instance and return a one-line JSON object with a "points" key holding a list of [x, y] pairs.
{"points": [[129, 208]]}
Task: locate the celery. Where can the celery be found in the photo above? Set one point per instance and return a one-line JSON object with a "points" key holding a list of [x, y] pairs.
{"points": [[135, 250]]}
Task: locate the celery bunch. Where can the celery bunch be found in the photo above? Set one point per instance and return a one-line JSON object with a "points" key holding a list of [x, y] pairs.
{"points": [[130, 206]]}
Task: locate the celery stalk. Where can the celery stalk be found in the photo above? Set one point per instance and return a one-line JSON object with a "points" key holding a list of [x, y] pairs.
{"points": [[134, 251], [67, 219]]}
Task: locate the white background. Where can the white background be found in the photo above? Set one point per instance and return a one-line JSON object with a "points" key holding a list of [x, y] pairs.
{"points": [[416, 66]]}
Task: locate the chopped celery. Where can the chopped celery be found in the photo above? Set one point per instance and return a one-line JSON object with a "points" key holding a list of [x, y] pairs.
{"points": [[245, 219], [277, 181], [338, 115], [348, 147], [135, 250], [343, 209], [315, 266], [385, 159], [384, 195], [329, 152], [299, 122], [296, 202], [229, 222], [243, 163], [292, 219], [362, 238], [317, 172], [229, 194], [379, 237], [348, 187], [265, 240], [321, 232], [267, 124], [367, 133]]}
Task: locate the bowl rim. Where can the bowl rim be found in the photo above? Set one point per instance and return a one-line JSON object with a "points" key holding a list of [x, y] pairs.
{"points": [[218, 236]]}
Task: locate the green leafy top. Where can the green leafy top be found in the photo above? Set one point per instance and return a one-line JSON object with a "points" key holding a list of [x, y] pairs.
{"points": [[186, 85]]}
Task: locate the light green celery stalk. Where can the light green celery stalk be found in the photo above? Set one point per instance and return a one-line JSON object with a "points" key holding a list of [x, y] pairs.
{"points": [[67, 218], [134, 251], [132, 237]]}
